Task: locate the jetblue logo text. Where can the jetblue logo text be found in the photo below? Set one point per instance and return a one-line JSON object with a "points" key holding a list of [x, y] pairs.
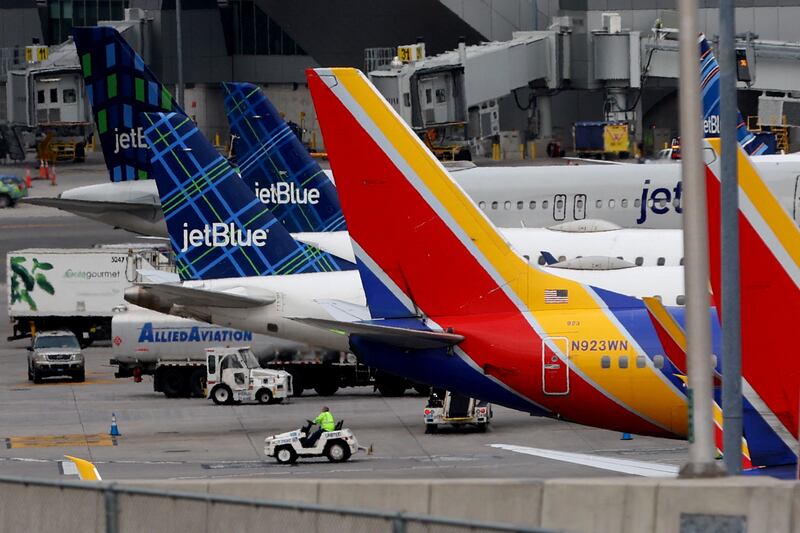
{"points": [[659, 200], [221, 234], [194, 334], [126, 140], [711, 126], [286, 193]]}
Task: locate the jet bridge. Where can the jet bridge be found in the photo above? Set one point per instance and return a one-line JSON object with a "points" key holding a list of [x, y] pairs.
{"points": [[438, 91]]}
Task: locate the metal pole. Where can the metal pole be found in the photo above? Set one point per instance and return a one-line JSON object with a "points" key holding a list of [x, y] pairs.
{"points": [[695, 246], [179, 50], [112, 511], [731, 318]]}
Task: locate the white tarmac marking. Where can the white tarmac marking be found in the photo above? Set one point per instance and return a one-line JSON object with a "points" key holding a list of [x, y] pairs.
{"points": [[625, 466]]}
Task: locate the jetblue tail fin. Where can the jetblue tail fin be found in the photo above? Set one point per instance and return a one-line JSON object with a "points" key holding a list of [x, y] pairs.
{"points": [[274, 164], [709, 91], [120, 87], [217, 227]]}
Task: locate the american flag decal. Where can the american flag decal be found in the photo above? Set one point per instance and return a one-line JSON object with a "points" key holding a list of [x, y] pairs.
{"points": [[556, 296]]}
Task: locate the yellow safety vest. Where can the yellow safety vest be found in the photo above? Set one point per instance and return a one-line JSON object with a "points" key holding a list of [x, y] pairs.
{"points": [[325, 421]]}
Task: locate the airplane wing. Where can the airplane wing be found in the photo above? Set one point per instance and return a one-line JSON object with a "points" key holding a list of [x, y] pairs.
{"points": [[392, 335], [143, 210], [82, 468], [238, 297], [623, 466]]}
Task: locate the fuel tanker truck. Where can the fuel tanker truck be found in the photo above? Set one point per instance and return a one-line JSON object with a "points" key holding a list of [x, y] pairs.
{"points": [[173, 350]]}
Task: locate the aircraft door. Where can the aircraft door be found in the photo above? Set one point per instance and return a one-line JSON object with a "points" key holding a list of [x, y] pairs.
{"points": [[559, 206], [579, 206], [555, 366], [796, 206]]}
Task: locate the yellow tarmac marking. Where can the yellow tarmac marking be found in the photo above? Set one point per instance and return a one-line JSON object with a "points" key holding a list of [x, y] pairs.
{"points": [[60, 441]]}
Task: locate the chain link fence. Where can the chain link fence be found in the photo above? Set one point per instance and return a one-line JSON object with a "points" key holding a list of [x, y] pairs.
{"points": [[111, 508]]}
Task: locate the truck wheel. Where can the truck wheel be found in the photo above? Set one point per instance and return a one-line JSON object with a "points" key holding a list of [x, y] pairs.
{"points": [[390, 385], [5, 200], [37, 378], [337, 452], [264, 396], [430, 429], [80, 376], [172, 384], [326, 389], [222, 395], [298, 386], [197, 383], [482, 427], [286, 455]]}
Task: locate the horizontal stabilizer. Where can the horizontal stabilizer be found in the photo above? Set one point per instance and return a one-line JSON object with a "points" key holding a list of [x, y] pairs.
{"points": [[345, 311], [392, 335], [192, 297], [143, 210]]}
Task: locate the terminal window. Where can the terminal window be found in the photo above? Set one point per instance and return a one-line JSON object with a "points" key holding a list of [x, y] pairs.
{"points": [[250, 31]]}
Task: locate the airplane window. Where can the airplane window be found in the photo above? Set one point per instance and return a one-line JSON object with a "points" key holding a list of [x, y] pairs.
{"points": [[527, 257], [639, 261], [623, 202], [559, 204], [658, 361], [541, 260], [532, 204], [661, 261], [640, 361], [562, 258], [662, 202], [482, 205], [637, 203], [599, 204], [611, 204], [494, 205], [620, 258], [714, 359], [680, 299], [676, 202], [681, 261], [605, 362], [507, 205], [651, 202], [544, 204], [623, 361], [579, 203], [657, 297], [520, 205]]}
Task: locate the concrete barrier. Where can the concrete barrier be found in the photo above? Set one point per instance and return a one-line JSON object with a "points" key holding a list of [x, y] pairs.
{"points": [[589, 505]]}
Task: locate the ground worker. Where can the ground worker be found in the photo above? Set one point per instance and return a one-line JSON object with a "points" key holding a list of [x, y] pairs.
{"points": [[325, 422]]}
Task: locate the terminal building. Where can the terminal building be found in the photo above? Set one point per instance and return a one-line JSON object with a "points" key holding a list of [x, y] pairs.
{"points": [[502, 72]]}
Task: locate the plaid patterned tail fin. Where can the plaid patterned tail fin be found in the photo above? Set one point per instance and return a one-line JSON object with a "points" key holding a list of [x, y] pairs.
{"points": [[120, 87], [275, 164], [217, 227]]}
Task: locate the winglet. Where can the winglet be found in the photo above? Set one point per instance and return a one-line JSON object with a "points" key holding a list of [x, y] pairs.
{"points": [[86, 470]]}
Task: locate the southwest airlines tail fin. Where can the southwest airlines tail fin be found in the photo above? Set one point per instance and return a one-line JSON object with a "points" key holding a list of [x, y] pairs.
{"points": [[709, 91], [422, 246], [274, 163], [217, 227], [120, 87], [769, 242]]}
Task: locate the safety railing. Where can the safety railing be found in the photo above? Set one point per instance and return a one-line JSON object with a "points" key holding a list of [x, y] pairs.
{"points": [[292, 516]]}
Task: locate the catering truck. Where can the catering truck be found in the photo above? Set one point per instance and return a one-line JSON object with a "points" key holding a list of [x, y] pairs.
{"points": [[73, 289], [173, 351]]}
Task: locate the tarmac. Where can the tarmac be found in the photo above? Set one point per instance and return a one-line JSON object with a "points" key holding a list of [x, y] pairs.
{"points": [[194, 439]]}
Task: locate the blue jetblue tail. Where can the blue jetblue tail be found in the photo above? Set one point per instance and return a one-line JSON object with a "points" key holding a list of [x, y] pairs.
{"points": [[274, 164], [709, 91], [120, 87], [217, 227]]}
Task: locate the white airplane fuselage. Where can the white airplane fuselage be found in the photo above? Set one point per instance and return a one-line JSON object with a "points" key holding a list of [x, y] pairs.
{"points": [[631, 196]]}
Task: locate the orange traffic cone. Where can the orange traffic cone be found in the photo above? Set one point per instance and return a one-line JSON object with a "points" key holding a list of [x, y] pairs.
{"points": [[42, 169], [28, 178], [53, 175]]}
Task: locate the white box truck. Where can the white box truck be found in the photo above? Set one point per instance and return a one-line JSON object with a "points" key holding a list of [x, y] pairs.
{"points": [[72, 289]]}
